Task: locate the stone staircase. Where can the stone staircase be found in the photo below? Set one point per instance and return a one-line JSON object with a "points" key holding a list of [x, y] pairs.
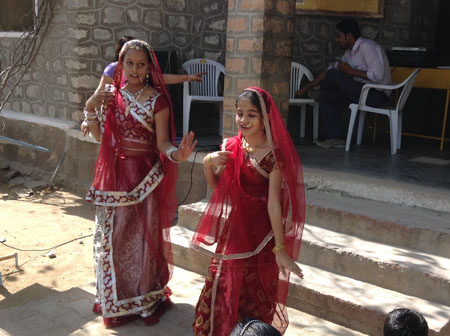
{"points": [[369, 246]]}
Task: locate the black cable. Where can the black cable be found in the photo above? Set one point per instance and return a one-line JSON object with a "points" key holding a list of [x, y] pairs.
{"points": [[190, 182], [209, 147], [47, 249], [69, 241]]}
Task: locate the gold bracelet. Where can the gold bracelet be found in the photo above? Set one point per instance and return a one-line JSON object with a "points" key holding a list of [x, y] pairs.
{"points": [[278, 248], [211, 164]]}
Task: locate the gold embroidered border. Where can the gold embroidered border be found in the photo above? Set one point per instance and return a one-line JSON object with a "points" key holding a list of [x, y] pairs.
{"points": [[123, 198]]}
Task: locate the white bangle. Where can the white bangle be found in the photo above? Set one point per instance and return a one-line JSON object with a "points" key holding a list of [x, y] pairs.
{"points": [[169, 153], [91, 122], [89, 114]]}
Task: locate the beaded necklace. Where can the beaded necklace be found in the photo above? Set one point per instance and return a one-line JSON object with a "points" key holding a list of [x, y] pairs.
{"points": [[136, 96]]}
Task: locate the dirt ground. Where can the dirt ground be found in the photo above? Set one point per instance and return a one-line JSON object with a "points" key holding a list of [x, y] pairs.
{"points": [[34, 222]]}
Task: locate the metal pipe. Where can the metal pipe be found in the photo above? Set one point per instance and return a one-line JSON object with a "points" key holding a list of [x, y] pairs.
{"points": [[24, 144]]}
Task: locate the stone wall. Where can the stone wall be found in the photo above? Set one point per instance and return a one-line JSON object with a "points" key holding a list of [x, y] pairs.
{"points": [[253, 37], [405, 23], [82, 38], [259, 52]]}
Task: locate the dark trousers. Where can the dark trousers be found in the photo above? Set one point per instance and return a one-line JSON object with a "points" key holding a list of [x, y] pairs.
{"points": [[339, 89]]}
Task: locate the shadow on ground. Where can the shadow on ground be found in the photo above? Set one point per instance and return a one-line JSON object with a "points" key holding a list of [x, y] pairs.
{"points": [[38, 310]]}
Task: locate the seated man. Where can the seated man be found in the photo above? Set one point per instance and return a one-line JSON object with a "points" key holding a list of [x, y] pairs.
{"points": [[405, 322], [364, 61]]}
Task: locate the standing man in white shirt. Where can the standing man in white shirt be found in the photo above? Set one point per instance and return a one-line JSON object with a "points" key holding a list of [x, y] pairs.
{"points": [[364, 61]]}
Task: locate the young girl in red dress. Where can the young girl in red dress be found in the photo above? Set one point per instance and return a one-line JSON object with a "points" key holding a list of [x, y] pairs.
{"points": [[252, 226], [134, 188]]}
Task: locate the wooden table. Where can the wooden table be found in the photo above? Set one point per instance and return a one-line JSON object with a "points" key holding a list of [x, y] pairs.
{"points": [[430, 78]]}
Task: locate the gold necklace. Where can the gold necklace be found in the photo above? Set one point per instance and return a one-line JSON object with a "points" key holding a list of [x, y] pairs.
{"points": [[250, 150]]}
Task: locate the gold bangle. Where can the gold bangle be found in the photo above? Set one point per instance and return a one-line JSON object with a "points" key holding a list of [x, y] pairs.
{"points": [[211, 164], [278, 248]]}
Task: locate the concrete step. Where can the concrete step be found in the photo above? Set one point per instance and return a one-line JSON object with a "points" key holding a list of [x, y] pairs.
{"points": [[378, 189], [364, 186], [401, 269], [404, 270], [412, 227], [351, 303], [346, 183], [189, 214], [359, 305], [303, 324]]}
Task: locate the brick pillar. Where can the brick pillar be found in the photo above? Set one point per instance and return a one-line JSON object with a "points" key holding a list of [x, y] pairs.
{"points": [[260, 34]]}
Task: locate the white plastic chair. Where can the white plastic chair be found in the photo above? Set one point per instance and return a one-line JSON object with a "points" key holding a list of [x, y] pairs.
{"points": [[297, 73], [394, 114], [205, 91]]}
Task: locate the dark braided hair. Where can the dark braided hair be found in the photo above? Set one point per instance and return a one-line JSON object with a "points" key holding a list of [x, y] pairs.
{"points": [[405, 322], [254, 327], [252, 96], [122, 41]]}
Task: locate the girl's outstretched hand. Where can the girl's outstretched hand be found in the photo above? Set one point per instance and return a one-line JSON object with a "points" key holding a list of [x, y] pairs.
{"points": [[285, 262], [197, 77], [186, 146]]}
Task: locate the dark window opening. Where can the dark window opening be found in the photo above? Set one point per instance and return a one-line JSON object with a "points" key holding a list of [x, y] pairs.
{"points": [[16, 15]]}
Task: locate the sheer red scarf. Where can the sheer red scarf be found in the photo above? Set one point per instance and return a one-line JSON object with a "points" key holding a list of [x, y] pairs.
{"points": [[105, 173], [229, 194], [105, 178]]}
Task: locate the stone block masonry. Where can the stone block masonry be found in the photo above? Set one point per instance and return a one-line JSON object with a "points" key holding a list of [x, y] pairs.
{"points": [[81, 41], [259, 51], [258, 36], [405, 23]]}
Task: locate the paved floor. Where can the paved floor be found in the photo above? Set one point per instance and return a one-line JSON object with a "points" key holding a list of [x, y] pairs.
{"points": [[419, 161], [69, 313]]}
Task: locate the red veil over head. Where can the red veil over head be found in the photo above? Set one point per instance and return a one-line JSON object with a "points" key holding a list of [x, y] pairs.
{"points": [[136, 199], [105, 173], [229, 194]]}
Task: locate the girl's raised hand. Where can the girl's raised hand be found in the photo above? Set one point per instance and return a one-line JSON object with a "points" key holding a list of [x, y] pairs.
{"points": [[285, 262], [84, 128], [220, 158], [98, 99], [186, 146]]}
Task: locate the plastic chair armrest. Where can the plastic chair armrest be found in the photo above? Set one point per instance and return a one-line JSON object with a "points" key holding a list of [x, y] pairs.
{"points": [[366, 88]]}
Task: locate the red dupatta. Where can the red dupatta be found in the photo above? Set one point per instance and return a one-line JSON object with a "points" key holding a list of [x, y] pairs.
{"points": [[105, 178], [229, 193]]}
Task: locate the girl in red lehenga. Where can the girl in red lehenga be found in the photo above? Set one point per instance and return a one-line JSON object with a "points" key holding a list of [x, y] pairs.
{"points": [[134, 189], [254, 221]]}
